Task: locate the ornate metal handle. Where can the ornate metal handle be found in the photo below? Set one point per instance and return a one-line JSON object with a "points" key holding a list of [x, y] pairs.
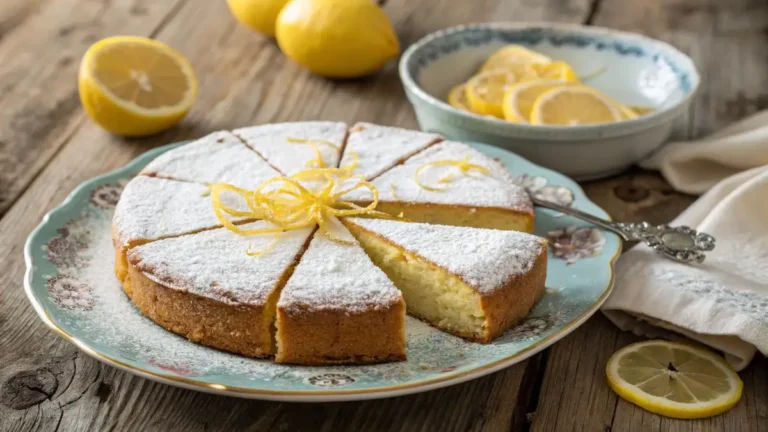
{"points": [[681, 243]]}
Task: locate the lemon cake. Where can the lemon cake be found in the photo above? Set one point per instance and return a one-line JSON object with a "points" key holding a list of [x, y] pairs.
{"points": [[373, 149], [206, 288], [218, 157], [331, 288], [445, 277], [295, 146], [338, 307], [451, 183]]}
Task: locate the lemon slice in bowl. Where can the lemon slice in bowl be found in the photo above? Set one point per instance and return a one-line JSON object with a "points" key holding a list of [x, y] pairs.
{"points": [[520, 98], [558, 70], [674, 379], [512, 54], [457, 98], [134, 86], [485, 91], [573, 105]]}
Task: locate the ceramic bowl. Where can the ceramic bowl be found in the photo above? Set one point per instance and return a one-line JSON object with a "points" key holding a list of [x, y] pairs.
{"points": [[631, 68]]}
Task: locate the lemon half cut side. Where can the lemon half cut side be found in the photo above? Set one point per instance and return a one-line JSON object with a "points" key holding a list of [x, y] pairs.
{"points": [[134, 86]]}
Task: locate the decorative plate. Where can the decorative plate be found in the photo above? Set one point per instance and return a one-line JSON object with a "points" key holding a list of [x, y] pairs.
{"points": [[71, 284]]}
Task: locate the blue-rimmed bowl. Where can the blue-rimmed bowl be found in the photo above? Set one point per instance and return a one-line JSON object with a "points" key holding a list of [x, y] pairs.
{"points": [[634, 69]]}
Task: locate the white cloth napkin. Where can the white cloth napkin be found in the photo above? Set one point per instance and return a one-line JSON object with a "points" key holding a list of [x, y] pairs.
{"points": [[723, 302]]}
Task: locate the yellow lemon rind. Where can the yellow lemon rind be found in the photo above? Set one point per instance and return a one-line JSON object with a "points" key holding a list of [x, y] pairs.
{"points": [[664, 407]]}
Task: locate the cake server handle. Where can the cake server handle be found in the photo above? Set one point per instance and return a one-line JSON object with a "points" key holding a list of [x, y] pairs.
{"points": [[682, 243]]}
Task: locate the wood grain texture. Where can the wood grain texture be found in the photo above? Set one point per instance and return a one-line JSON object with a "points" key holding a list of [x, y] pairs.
{"points": [[47, 384], [41, 43]]}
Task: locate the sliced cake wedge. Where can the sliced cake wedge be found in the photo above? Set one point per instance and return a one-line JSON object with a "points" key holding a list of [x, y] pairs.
{"points": [[471, 282], [287, 146], [206, 287], [153, 208], [220, 157], [338, 307], [373, 149], [451, 183]]}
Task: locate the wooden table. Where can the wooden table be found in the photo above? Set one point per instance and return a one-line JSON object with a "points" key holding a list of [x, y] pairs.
{"points": [[48, 146]]}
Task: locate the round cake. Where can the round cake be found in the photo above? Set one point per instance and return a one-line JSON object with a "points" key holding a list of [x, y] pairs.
{"points": [[309, 242]]}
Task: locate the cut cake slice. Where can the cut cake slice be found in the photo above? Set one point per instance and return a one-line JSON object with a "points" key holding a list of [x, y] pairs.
{"points": [[220, 157], [338, 307], [205, 286], [379, 148], [153, 208], [474, 199], [272, 142], [471, 282]]}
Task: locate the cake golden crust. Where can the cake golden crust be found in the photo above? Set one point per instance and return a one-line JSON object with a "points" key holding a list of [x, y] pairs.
{"points": [[334, 337], [460, 215]]}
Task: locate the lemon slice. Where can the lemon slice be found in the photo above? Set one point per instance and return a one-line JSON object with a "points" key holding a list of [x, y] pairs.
{"points": [[673, 379], [558, 70], [512, 54], [519, 99], [135, 86], [573, 105], [485, 91], [457, 97], [627, 113]]}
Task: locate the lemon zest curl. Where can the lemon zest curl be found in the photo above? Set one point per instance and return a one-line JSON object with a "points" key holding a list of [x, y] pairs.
{"points": [[463, 165]]}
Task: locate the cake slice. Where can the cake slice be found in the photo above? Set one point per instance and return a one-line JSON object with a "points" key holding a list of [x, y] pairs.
{"points": [[216, 158], [379, 148], [273, 143], [471, 282], [205, 286], [474, 199], [339, 308], [153, 208]]}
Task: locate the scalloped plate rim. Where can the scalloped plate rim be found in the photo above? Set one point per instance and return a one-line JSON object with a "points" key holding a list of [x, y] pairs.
{"points": [[339, 395]]}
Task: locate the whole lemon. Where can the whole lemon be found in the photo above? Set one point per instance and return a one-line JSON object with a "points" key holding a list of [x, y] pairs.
{"points": [[259, 15], [337, 38]]}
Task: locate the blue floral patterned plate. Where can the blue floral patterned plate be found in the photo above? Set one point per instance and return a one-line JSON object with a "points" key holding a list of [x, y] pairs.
{"points": [[71, 285]]}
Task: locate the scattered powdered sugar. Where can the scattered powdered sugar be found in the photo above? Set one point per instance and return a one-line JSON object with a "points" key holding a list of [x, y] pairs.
{"points": [[379, 148], [271, 142], [220, 157], [496, 255], [336, 276], [214, 264], [495, 189], [151, 208]]}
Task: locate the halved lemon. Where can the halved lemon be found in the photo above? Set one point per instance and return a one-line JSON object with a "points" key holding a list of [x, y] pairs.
{"points": [[519, 99], [573, 105], [135, 86], [485, 91], [512, 54], [457, 97], [674, 379]]}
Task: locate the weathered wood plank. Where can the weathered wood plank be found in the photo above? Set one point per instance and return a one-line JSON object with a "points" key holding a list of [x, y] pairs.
{"points": [[40, 47], [244, 80], [715, 35]]}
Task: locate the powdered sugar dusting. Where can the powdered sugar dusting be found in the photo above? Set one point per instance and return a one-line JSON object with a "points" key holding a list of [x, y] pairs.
{"points": [[271, 142], [495, 255], [214, 264], [340, 277], [220, 157], [495, 189], [152, 208], [379, 148]]}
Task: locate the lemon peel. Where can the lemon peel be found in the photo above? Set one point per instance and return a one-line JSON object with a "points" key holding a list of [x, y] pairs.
{"points": [[463, 165], [311, 197], [318, 162]]}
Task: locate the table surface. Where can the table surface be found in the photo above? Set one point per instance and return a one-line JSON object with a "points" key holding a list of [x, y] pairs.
{"points": [[48, 146]]}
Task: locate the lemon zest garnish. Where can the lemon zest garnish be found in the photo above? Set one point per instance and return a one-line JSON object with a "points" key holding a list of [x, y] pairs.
{"points": [[463, 165], [308, 198], [394, 193], [318, 161]]}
